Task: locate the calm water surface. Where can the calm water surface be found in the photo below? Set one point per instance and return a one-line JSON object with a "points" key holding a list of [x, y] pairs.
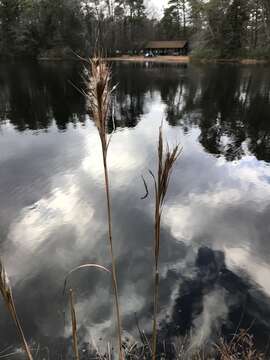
{"points": [[215, 255]]}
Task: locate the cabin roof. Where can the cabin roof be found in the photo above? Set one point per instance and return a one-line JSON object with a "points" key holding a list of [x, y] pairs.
{"points": [[178, 44]]}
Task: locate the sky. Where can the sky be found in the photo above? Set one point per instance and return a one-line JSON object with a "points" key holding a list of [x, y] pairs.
{"points": [[158, 4]]}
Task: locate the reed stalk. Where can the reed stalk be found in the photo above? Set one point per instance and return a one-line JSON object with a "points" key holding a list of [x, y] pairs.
{"points": [[99, 97], [7, 295], [166, 160], [74, 325]]}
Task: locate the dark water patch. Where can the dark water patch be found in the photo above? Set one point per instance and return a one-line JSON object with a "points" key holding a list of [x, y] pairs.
{"points": [[216, 303]]}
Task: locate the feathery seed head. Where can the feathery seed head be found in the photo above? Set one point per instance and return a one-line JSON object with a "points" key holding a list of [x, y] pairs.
{"points": [[4, 284], [99, 94], [166, 160]]}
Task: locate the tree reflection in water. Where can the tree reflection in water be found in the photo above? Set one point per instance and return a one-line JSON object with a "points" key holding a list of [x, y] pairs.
{"points": [[230, 104]]}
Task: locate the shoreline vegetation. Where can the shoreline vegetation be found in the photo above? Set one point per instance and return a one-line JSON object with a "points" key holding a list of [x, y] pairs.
{"points": [[215, 30]]}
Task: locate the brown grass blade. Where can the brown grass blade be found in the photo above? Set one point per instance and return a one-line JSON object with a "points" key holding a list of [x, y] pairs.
{"points": [[84, 266], [242, 346], [146, 189], [74, 326], [6, 292]]}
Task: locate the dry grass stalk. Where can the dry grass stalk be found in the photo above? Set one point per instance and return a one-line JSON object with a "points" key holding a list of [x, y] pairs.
{"points": [[6, 292], [84, 266], [74, 325], [99, 96], [166, 160], [241, 347]]}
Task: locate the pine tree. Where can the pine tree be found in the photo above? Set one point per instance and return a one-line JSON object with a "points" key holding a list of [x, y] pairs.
{"points": [[9, 20], [180, 11], [234, 28]]}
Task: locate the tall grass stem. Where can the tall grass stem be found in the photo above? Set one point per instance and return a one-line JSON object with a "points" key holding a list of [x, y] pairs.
{"points": [[166, 160], [99, 97], [74, 326], [7, 295]]}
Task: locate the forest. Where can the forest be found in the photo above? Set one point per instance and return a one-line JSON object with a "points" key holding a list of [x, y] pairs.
{"points": [[214, 28]]}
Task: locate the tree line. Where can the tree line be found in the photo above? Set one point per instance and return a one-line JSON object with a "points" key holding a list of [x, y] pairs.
{"points": [[215, 28]]}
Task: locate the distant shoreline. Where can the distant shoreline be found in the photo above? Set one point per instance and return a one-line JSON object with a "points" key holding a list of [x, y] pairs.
{"points": [[168, 59], [186, 60], [157, 59]]}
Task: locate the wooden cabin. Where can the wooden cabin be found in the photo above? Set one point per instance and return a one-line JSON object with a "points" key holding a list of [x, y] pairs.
{"points": [[178, 47]]}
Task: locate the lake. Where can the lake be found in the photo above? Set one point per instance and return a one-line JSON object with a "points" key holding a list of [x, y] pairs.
{"points": [[215, 246]]}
